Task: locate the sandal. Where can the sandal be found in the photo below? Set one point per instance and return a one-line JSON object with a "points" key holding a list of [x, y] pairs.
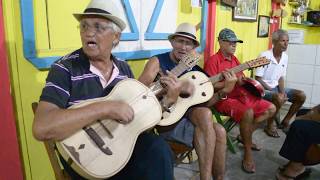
{"points": [[254, 147], [271, 132], [280, 173], [306, 173]]}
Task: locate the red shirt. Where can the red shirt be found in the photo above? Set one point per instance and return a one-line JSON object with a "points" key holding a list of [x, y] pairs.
{"points": [[239, 99], [217, 63]]}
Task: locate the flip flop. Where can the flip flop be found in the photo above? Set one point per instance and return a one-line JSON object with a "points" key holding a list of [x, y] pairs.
{"points": [[271, 132], [303, 175], [280, 173], [246, 168], [254, 147]]}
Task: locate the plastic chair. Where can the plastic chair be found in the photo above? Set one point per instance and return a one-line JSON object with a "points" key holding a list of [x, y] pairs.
{"points": [[181, 151], [228, 125], [50, 146]]}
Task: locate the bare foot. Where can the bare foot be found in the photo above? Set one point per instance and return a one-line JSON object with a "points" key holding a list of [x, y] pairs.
{"points": [[248, 164]]}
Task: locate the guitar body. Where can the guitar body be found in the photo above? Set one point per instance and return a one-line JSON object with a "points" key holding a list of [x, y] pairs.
{"points": [[254, 87], [87, 159], [202, 93], [204, 90]]}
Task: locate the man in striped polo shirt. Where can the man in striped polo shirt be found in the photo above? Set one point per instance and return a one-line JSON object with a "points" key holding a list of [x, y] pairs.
{"points": [[92, 72]]}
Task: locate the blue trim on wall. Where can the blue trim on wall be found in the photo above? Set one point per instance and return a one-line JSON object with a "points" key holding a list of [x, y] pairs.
{"points": [[28, 32], [142, 54], [134, 35], [156, 36], [149, 34], [204, 19]]}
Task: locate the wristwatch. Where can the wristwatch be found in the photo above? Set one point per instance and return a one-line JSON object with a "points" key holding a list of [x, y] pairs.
{"points": [[222, 95], [165, 106]]}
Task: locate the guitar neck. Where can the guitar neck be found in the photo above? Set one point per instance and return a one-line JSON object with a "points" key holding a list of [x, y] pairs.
{"points": [[177, 71], [236, 69]]}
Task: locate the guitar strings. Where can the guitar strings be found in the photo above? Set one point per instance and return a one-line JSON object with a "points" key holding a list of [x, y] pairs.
{"points": [[131, 102]]}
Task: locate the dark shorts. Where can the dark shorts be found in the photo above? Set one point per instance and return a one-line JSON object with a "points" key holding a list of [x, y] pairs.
{"points": [[152, 159], [302, 134], [289, 92], [182, 132]]}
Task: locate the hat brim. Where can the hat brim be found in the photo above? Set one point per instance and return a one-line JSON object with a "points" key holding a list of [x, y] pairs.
{"points": [[231, 40], [118, 21], [171, 36]]}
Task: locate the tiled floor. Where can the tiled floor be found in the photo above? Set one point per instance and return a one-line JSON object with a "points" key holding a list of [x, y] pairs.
{"points": [[267, 161]]}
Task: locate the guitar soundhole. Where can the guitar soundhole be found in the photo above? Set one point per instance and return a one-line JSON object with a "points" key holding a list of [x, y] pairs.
{"points": [[203, 94], [73, 152], [144, 97], [81, 146], [193, 77], [184, 95]]}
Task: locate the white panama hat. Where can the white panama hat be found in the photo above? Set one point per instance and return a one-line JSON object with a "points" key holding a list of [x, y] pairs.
{"points": [[186, 30], [103, 8]]}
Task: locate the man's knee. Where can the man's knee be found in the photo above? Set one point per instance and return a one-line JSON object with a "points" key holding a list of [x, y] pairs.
{"points": [[248, 115], [277, 101], [271, 110], [202, 117], [220, 132], [299, 96]]}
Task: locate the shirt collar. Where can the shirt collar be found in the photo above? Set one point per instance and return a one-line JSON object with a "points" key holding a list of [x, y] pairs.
{"points": [[223, 57]]}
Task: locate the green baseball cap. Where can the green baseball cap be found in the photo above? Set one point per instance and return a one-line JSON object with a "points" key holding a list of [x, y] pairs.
{"points": [[228, 35]]}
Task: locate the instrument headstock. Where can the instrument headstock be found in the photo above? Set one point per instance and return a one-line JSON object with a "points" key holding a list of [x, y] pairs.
{"points": [[261, 61], [190, 59]]}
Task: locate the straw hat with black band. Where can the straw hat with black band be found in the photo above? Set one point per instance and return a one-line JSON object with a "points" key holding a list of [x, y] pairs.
{"points": [[186, 30], [103, 8]]}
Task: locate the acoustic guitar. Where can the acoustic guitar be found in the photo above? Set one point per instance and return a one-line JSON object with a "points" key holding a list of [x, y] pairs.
{"points": [[102, 149], [203, 90]]}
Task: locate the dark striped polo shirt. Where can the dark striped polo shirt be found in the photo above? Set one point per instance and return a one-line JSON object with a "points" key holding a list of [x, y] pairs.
{"points": [[70, 80]]}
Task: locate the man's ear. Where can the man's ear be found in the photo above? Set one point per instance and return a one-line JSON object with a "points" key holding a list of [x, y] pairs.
{"points": [[171, 42], [116, 39]]}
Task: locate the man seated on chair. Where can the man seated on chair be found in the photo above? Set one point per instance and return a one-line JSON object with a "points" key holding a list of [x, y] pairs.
{"points": [[196, 128], [239, 104], [272, 77], [91, 72], [303, 133]]}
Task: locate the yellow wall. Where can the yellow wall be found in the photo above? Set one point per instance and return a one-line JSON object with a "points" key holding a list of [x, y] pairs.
{"points": [[311, 34], [27, 81], [246, 31]]}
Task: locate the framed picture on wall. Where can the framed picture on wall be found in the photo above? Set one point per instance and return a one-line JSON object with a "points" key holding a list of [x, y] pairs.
{"points": [[246, 10], [263, 26], [232, 3]]}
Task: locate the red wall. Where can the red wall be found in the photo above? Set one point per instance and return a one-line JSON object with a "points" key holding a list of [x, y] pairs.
{"points": [[10, 164]]}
